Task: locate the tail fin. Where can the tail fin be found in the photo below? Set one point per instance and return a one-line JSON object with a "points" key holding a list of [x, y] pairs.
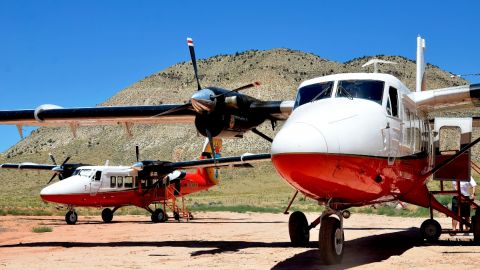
{"points": [[420, 85], [212, 174]]}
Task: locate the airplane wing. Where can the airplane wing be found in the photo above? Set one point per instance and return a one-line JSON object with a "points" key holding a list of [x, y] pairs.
{"points": [[460, 97], [203, 163], [27, 166], [53, 115]]}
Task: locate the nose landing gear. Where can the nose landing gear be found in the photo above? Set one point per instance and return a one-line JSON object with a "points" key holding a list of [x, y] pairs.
{"points": [[71, 217], [330, 238]]}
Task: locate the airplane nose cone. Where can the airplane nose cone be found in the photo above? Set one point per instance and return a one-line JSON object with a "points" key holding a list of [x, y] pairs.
{"points": [[201, 101], [299, 138]]}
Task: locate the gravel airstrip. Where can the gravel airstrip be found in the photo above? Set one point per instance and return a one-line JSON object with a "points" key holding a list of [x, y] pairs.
{"points": [[221, 240]]}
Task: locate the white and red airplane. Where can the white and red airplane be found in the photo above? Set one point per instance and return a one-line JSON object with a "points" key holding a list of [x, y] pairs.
{"points": [[349, 140], [142, 184]]}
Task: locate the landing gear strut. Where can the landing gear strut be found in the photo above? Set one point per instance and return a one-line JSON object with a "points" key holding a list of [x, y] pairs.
{"points": [[331, 236]]}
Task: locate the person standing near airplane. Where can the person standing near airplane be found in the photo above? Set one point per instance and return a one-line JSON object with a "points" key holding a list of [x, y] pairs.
{"points": [[467, 189]]}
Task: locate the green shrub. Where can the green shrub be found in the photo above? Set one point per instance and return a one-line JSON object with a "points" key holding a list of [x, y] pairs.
{"points": [[42, 229]]}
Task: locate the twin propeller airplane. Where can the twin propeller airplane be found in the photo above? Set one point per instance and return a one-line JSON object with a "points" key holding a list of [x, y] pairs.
{"points": [[348, 140]]}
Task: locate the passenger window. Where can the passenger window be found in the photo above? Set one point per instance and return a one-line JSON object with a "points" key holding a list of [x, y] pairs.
{"points": [[120, 181], [98, 175], [393, 98], [144, 183], [128, 181], [113, 181]]}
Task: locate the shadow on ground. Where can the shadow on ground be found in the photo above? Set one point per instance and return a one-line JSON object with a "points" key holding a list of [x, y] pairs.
{"points": [[360, 251]]}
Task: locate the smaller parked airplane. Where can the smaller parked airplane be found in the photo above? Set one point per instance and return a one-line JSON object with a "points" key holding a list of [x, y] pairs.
{"points": [[144, 183]]}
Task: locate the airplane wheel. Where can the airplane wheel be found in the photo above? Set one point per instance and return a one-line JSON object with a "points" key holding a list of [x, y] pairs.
{"points": [[158, 216], [476, 228], [176, 215], [331, 240], [298, 229], [107, 215], [430, 230], [71, 217]]}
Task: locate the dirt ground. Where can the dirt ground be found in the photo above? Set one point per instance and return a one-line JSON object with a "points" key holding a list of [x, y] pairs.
{"points": [[222, 241]]}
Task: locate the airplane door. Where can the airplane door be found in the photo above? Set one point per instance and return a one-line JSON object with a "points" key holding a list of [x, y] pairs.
{"points": [[95, 183], [393, 145], [393, 131]]}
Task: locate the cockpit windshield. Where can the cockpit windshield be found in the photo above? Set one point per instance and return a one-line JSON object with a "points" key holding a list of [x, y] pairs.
{"points": [[313, 92], [364, 89], [84, 172]]}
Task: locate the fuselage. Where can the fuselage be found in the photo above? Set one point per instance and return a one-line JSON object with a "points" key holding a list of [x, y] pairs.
{"points": [[350, 139], [115, 186]]}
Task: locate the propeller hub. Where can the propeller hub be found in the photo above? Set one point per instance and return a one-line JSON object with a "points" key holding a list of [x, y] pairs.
{"points": [[57, 169], [202, 101]]}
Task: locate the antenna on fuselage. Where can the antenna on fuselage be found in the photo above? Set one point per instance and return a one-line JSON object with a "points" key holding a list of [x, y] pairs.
{"points": [[375, 63]]}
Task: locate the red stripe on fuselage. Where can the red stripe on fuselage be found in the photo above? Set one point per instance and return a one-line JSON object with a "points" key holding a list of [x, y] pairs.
{"points": [[349, 178]]}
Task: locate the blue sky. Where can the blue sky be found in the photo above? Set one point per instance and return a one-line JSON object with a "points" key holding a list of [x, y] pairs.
{"points": [[79, 53]]}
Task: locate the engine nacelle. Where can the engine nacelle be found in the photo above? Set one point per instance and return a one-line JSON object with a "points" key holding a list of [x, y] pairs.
{"points": [[225, 126], [44, 107]]}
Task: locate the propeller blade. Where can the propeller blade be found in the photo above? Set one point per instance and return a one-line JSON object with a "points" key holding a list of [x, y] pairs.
{"points": [[65, 161], [51, 179], [175, 109], [137, 152], [256, 131], [212, 147], [194, 60], [52, 158], [250, 85]]}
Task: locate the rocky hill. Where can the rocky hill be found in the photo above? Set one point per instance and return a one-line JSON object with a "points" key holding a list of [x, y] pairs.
{"points": [[279, 70]]}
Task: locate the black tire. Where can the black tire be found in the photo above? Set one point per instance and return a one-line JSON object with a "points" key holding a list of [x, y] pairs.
{"points": [[158, 216], [190, 215], [107, 215], [430, 230], [331, 241], [71, 217], [476, 228], [298, 229], [176, 216]]}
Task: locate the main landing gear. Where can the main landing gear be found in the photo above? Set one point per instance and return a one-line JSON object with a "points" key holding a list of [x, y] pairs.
{"points": [[159, 216], [331, 236], [107, 214]]}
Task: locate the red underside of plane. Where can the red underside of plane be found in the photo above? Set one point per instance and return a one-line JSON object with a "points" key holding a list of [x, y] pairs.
{"points": [[350, 179]]}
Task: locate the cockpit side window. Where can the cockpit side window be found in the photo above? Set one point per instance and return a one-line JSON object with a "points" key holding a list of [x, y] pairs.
{"points": [[392, 102], [98, 175], [364, 89], [313, 92]]}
